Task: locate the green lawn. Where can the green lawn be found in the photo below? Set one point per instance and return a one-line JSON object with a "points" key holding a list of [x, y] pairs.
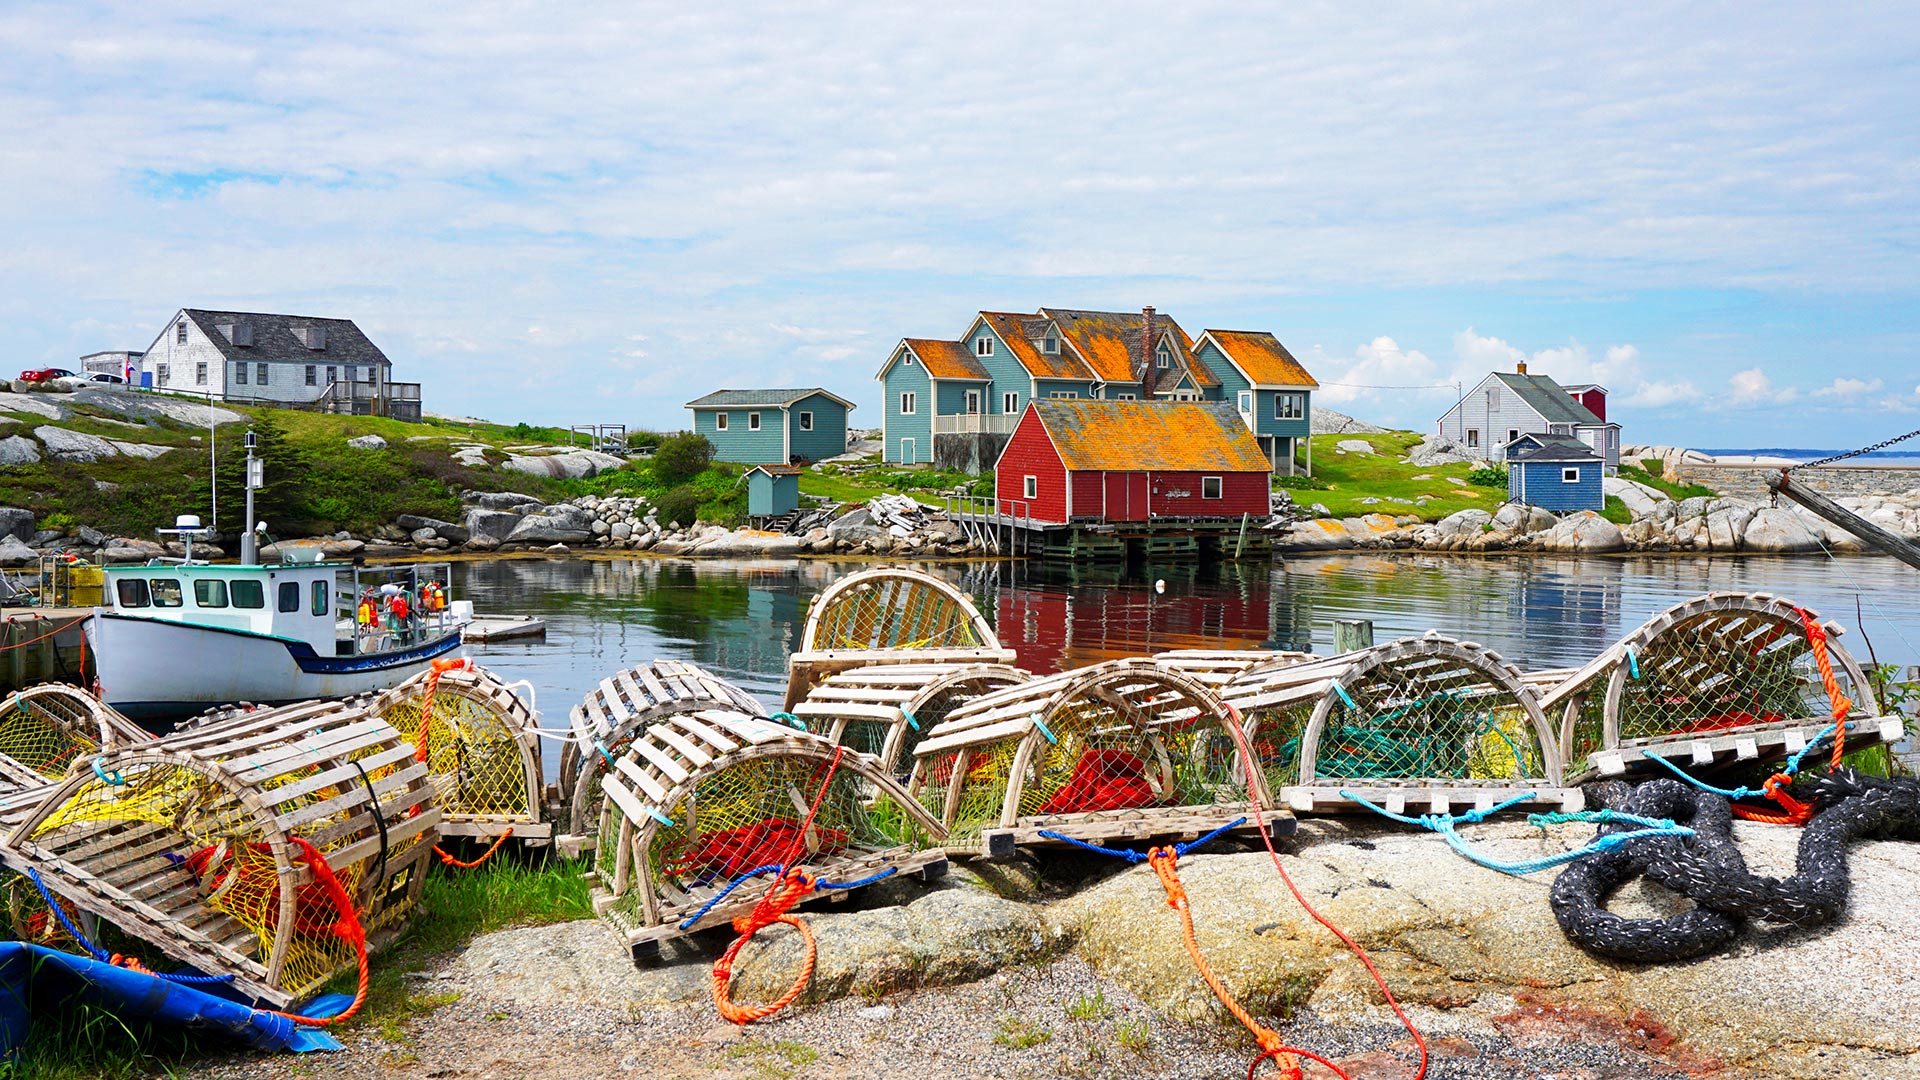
{"points": [[1381, 475], [1673, 490], [930, 486]]}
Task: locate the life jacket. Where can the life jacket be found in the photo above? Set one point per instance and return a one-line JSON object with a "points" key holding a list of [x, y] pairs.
{"points": [[367, 612], [399, 606], [433, 597]]}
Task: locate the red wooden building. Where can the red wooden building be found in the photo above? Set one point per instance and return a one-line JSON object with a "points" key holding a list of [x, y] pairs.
{"points": [[1122, 461]]}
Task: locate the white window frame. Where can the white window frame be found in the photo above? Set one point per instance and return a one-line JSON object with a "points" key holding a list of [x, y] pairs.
{"points": [[1473, 438], [1126, 397], [909, 403], [970, 401], [753, 421], [1219, 489], [163, 374], [1246, 401], [720, 421], [1050, 345], [1289, 406], [1513, 434], [200, 373], [906, 359], [806, 420], [1570, 474], [1030, 487], [1010, 401], [240, 373], [983, 346], [180, 333], [260, 374], [1162, 360], [1064, 395]]}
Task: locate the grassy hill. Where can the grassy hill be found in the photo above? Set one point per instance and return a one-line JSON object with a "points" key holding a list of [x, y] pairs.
{"points": [[1341, 481]]}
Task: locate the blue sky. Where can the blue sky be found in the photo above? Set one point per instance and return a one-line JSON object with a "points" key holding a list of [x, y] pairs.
{"points": [[598, 213]]}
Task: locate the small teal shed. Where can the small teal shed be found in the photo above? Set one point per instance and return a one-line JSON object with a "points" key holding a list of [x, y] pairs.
{"points": [[772, 427], [1556, 476], [772, 490]]}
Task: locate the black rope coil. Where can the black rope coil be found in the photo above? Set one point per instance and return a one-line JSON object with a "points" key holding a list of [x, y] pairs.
{"points": [[1708, 868]]}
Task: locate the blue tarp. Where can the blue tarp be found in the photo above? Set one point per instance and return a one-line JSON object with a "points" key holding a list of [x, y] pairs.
{"points": [[33, 977]]}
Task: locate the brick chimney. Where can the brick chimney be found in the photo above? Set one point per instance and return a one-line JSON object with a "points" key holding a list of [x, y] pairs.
{"points": [[1522, 366], [1147, 378]]}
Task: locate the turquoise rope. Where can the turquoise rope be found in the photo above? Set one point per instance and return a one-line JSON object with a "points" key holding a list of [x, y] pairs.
{"points": [[790, 719], [651, 812], [908, 717], [1042, 725], [1633, 662], [1791, 768], [107, 776], [1444, 825], [1344, 696]]}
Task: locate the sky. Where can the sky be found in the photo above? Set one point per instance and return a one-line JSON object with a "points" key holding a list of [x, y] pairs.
{"points": [[594, 213]]}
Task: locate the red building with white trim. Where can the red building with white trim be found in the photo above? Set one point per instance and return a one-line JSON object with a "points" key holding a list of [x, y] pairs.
{"points": [[1131, 461]]}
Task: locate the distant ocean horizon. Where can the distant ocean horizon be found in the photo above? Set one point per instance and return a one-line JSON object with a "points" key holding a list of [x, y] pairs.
{"points": [[1794, 453]]}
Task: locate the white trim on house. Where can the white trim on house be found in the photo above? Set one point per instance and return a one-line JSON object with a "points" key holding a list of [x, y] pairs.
{"points": [[1207, 335]]}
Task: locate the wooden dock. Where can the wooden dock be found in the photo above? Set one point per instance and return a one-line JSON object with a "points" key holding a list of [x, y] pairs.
{"points": [[43, 645], [486, 629], [1079, 541]]}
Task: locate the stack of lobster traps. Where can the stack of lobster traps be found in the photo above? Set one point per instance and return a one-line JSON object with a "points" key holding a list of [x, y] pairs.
{"points": [[889, 616], [48, 729]]}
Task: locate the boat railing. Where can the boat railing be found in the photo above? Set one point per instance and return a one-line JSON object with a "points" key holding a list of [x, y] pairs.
{"points": [[378, 626]]}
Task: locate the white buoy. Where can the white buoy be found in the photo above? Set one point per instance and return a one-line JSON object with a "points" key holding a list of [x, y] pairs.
{"points": [[1160, 585]]}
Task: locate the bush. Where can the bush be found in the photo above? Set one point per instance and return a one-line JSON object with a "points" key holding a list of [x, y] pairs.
{"points": [[682, 457], [1490, 476], [1301, 483], [680, 506]]}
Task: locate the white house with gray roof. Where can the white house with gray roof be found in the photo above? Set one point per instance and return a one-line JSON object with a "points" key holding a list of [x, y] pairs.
{"points": [[258, 358], [1504, 407]]}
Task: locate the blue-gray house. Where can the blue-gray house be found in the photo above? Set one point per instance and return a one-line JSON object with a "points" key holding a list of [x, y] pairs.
{"points": [[759, 427], [1555, 472]]}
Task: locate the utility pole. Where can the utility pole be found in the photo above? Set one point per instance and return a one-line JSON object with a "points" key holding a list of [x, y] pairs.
{"points": [[256, 475]]}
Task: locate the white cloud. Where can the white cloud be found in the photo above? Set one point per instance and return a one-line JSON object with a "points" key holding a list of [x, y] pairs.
{"points": [[1754, 387], [1658, 395], [1844, 387]]}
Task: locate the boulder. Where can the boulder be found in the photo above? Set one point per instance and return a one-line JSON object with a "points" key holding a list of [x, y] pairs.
{"points": [[1464, 523], [482, 543], [748, 545], [368, 442], [1354, 446], [1585, 532], [561, 524], [88, 536], [64, 445], [423, 536], [1539, 520], [1726, 523], [342, 549], [140, 450], [620, 530], [35, 405], [491, 525], [413, 523], [1638, 498], [1321, 534], [1439, 450], [135, 405], [201, 550], [473, 457], [18, 523], [568, 463], [1777, 530], [13, 553], [504, 500], [18, 450], [599, 527], [1325, 421], [44, 537]]}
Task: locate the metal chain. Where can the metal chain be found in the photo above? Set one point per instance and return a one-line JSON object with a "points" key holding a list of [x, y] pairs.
{"points": [[1881, 445]]}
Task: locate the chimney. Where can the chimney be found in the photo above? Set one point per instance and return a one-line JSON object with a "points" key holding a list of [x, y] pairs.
{"points": [[1147, 379], [1522, 366]]}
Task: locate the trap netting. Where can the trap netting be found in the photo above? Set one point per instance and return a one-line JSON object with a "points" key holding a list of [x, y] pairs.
{"points": [[45, 730], [1428, 721], [700, 799], [1123, 749], [604, 723], [889, 616], [478, 740], [221, 847], [1721, 677], [1218, 667], [29, 917], [886, 710]]}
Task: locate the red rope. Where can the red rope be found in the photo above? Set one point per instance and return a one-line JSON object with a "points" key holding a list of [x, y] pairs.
{"points": [[347, 928]]}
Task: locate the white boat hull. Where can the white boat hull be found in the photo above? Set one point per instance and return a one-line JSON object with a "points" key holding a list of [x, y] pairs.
{"points": [[156, 668]]}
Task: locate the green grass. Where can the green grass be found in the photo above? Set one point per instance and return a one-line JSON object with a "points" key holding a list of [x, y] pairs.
{"points": [[773, 1059], [1088, 1008], [1674, 491], [928, 485], [1381, 475], [1616, 511], [1021, 1034]]}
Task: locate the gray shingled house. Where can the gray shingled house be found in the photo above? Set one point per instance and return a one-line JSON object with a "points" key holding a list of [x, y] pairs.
{"points": [[297, 360], [1504, 407]]}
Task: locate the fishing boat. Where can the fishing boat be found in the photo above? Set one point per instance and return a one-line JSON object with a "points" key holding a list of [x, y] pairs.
{"points": [[174, 637]]}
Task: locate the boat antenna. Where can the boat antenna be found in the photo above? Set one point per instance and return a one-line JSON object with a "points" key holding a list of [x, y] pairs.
{"points": [[213, 471]]}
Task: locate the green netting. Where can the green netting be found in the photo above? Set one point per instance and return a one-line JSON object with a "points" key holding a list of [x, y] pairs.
{"points": [[1721, 670]]}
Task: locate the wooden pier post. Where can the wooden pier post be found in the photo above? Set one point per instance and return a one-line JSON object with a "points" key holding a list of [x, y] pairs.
{"points": [[1352, 635]]}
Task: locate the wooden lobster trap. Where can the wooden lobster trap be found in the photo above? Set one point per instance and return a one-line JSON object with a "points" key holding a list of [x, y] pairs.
{"points": [[46, 730], [1425, 722], [1215, 668], [889, 616], [1121, 750], [480, 743], [699, 799], [626, 702], [220, 847], [1719, 678], [887, 709]]}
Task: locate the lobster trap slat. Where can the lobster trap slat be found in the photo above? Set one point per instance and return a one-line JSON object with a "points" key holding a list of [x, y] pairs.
{"points": [[627, 701], [1217, 667], [46, 730], [480, 743], [1127, 748], [668, 848], [1720, 678], [889, 616], [167, 842], [887, 709], [1425, 722]]}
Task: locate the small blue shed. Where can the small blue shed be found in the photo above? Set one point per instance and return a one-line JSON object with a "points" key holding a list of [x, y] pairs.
{"points": [[780, 427], [772, 490], [1557, 476]]}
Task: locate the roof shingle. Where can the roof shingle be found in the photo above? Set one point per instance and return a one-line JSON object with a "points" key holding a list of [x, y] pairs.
{"points": [[1261, 356], [1548, 398], [1134, 436], [278, 337], [725, 399], [947, 359]]}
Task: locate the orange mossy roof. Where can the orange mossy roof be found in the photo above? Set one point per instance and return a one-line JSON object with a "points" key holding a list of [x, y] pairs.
{"points": [[1134, 436], [1110, 342], [1012, 329], [946, 359], [1262, 357]]}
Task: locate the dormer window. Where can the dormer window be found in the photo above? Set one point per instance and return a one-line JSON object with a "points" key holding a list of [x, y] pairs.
{"points": [[983, 346], [180, 333], [1050, 345], [1163, 359], [906, 360]]}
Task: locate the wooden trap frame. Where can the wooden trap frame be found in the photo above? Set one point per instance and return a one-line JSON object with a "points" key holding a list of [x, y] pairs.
{"points": [[888, 616], [481, 746], [624, 703], [1122, 750], [197, 843], [1429, 723], [886, 710], [46, 730], [1215, 668], [1720, 678], [697, 799]]}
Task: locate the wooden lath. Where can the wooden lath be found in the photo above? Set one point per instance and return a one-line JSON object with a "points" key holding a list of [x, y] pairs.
{"points": [[889, 616], [484, 751], [887, 709], [163, 839], [49, 729], [997, 767], [1295, 703], [1218, 667], [700, 778]]}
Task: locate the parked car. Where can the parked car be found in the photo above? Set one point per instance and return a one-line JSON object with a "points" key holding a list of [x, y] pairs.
{"points": [[47, 375], [104, 377]]}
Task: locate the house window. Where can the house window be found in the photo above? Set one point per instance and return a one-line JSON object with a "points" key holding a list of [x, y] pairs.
{"points": [[1049, 345], [1063, 394], [1126, 397], [1473, 437], [906, 361], [983, 346], [719, 421], [806, 421], [1570, 476], [289, 597], [753, 421], [1162, 360], [200, 373], [240, 374], [909, 402], [1009, 402], [1512, 434], [1031, 487], [332, 375], [1209, 487], [160, 372], [313, 374], [973, 402], [260, 374], [1246, 401], [180, 333], [1289, 406]]}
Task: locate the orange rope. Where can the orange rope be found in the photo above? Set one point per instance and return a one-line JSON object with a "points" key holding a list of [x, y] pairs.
{"points": [[348, 928], [434, 671], [1793, 811], [488, 854], [50, 633]]}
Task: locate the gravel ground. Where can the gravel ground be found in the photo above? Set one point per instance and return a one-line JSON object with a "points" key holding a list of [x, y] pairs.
{"points": [[1056, 1020]]}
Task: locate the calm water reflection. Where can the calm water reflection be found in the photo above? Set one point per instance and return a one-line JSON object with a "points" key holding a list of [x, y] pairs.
{"points": [[741, 619]]}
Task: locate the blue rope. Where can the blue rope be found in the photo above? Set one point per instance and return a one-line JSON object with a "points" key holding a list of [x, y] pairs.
{"points": [[100, 955], [770, 868], [1042, 725], [107, 777], [908, 717], [1790, 768], [881, 876], [1344, 696], [1444, 825], [1132, 856], [1633, 662]]}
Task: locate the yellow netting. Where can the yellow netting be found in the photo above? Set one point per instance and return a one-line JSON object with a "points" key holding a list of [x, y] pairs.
{"points": [[47, 729], [475, 751], [895, 611]]}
